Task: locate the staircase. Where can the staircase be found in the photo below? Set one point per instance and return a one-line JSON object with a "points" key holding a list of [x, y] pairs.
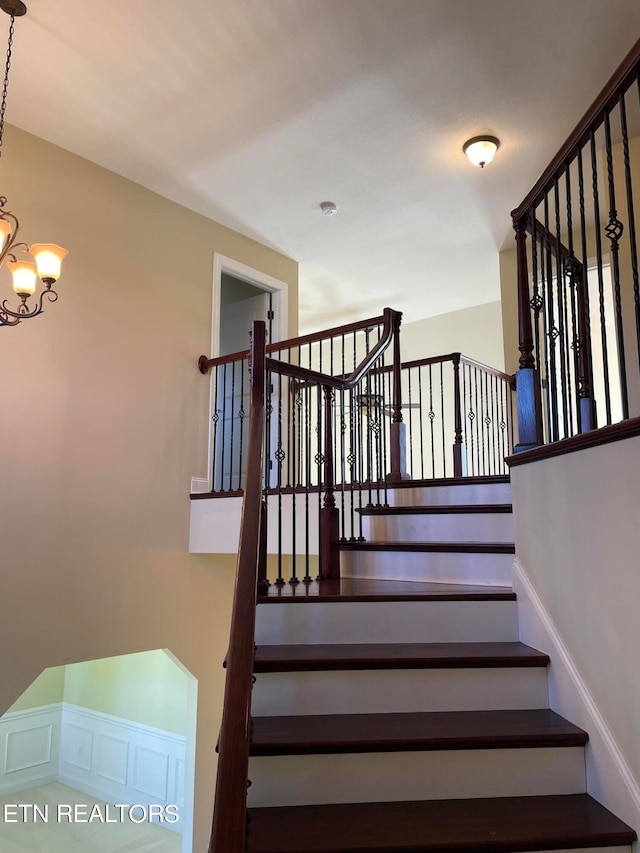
{"points": [[395, 709]]}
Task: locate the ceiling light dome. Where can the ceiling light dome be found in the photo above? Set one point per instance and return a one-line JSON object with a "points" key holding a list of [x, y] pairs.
{"points": [[481, 149]]}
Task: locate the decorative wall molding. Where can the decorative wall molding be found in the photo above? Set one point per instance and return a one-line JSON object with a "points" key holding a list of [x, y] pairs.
{"points": [[121, 761], [107, 757], [29, 748], [609, 778]]}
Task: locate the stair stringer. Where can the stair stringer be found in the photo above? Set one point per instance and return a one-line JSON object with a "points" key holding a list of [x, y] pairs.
{"points": [[609, 777]]}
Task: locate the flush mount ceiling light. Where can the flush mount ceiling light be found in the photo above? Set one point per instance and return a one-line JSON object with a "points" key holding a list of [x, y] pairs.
{"points": [[481, 149], [43, 260], [328, 208]]}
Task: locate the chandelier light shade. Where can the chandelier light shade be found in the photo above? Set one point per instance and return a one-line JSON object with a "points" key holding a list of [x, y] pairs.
{"points": [[481, 149], [26, 264]]}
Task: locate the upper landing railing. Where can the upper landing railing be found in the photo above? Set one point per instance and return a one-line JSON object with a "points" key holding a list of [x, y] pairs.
{"points": [[578, 277]]}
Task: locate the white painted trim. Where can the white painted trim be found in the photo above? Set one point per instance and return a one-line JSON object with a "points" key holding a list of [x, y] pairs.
{"points": [[279, 288], [199, 486], [118, 760], [20, 767], [610, 780]]}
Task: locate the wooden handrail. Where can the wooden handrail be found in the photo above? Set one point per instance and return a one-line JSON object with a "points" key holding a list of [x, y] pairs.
{"points": [[228, 831], [451, 356], [204, 363], [341, 383], [544, 233], [622, 78]]}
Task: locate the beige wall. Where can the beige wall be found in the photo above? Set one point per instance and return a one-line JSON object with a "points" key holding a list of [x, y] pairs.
{"points": [[475, 332], [103, 422], [577, 537]]}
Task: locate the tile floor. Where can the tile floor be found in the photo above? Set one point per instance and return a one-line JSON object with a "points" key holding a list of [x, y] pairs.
{"points": [[64, 837]]}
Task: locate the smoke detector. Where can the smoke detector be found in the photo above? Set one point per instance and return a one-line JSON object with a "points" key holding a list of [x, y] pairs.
{"points": [[329, 208]]}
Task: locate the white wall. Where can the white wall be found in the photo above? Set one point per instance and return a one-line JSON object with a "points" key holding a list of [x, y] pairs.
{"points": [[577, 540]]}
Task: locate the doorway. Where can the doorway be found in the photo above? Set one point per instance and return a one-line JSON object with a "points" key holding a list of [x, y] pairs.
{"points": [[240, 296]]}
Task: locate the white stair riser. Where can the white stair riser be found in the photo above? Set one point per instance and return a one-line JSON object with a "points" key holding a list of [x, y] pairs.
{"points": [[473, 493], [481, 569], [387, 622], [457, 527], [389, 691], [292, 780]]}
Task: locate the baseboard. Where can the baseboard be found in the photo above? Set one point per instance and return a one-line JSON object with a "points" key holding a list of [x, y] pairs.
{"points": [[610, 780]]}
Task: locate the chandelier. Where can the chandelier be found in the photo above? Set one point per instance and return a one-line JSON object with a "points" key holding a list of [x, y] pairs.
{"points": [[41, 260]]}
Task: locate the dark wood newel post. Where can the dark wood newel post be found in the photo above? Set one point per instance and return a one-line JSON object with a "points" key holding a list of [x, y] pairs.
{"points": [[457, 417], [397, 435], [527, 388], [329, 515]]}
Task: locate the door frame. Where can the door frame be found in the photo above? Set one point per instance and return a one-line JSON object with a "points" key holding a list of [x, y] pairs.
{"points": [[275, 286]]}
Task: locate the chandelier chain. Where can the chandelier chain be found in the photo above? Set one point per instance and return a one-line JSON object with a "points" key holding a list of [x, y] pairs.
{"points": [[5, 84]]}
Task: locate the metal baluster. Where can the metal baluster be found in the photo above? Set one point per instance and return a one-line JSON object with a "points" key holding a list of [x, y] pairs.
{"points": [[368, 405], [431, 415], [633, 246], [343, 451], [232, 424], [552, 333], [464, 416], [215, 417], [473, 391], [307, 480], [385, 403], [562, 314], [444, 449], [572, 272], [359, 415], [410, 425], [614, 230], [241, 416], [536, 302], [603, 327], [585, 309], [292, 458], [420, 422]]}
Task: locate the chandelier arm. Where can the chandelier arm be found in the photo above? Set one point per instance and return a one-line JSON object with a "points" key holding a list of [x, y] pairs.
{"points": [[51, 295], [5, 320]]}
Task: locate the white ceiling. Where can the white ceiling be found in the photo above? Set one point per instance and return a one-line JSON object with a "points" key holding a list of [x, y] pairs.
{"points": [[254, 111]]}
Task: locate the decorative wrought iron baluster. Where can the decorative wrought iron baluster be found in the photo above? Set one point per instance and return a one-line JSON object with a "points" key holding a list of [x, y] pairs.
{"points": [[603, 321], [442, 429], [224, 429], [536, 301], [562, 313], [584, 307], [420, 422], [291, 398], [307, 480], [359, 414], [572, 272], [215, 418], [473, 396], [553, 331], [241, 417], [431, 415], [465, 419], [385, 405], [410, 423], [232, 424], [614, 230], [343, 450]]}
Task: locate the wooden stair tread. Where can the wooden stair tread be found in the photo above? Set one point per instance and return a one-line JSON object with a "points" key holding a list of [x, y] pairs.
{"points": [[438, 509], [438, 826], [348, 656], [373, 589], [439, 547], [346, 733]]}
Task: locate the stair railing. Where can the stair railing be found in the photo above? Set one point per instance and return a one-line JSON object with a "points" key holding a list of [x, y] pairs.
{"points": [[578, 277], [229, 820], [459, 417], [229, 816]]}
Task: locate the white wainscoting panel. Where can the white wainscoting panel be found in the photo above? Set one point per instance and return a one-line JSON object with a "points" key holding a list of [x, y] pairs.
{"points": [[29, 748], [119, 761]]}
